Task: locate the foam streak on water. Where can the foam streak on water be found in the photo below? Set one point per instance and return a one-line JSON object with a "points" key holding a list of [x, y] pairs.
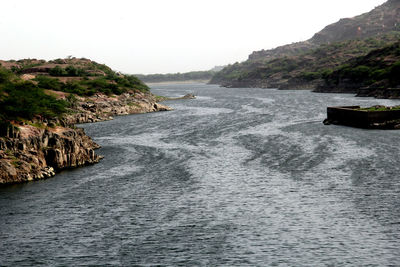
{"points": [[237, 177]]}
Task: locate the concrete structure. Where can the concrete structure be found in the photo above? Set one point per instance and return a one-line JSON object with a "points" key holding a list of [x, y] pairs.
{"points": [[356, 117]]}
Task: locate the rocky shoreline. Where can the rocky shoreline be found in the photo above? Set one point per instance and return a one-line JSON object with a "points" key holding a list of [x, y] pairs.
{"points": [[318, 87], [101, 107], [38, 149]]}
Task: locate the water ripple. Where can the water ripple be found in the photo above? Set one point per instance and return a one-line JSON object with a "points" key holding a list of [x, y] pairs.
{"points": [[238, 177]]}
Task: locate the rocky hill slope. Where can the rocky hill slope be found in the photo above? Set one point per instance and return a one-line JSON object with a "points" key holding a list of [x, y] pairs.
{"points": [[41, 101], [382, 19], [302, 65], [375, 74]]}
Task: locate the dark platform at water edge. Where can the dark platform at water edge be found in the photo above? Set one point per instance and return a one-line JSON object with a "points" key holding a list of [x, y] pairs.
{"points": [[378, 117]]}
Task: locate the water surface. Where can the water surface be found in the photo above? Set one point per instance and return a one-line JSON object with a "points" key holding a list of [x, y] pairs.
{"points": [[236, 177]]}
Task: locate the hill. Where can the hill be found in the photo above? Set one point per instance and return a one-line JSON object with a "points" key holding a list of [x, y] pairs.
{"points": [[302, 65], [72, 75], [203, 76]]}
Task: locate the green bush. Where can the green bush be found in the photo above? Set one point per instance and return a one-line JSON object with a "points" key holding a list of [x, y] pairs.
{"points": [[74, 87], [5, 75], [48, 82], [57, 71], [58, 61], [25, 100], [310, 76], [71, 100], [135, 83], [379, 74], [75, 72], [358, 73], [69, 71]]}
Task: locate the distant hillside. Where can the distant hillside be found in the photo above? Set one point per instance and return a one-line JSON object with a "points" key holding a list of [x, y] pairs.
{"points": [[379, 69], [180, 77], [302, 71], [302, 65]]}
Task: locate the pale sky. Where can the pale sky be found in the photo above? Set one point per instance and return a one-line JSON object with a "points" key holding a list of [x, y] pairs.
{"points": [[162, 36]]}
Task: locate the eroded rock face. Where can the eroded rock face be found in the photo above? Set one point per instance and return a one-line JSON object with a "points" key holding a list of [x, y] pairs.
{"points": [[38, 153], [101, 107]]}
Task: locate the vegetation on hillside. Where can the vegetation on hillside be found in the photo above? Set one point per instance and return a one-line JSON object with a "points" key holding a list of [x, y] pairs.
{"points": [[171, 77], [23, 85], [23, 100], [305, 67], [79, 76], [110, 84], [305, 64], [378, 69]]}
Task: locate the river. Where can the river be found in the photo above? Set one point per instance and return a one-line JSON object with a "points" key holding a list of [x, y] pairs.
{"points": [[236, 177]]}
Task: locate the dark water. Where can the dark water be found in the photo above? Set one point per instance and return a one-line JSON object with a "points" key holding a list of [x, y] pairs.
{"points": [[234, 178]]}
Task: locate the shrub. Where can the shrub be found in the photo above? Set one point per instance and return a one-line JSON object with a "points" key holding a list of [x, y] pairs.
{"points": [[25, 100], [74, 87], [310, 76], [5, 75], [57, 71], [72, 100], [358, 73], [69, 71], [75, 72], [135, 83], [48, 82], [58, 61]]}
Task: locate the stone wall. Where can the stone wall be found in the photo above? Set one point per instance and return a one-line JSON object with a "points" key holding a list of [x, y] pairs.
{"points": [[352, 116]]}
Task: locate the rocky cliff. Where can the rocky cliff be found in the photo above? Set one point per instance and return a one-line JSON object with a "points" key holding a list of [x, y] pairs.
{"points": [[29, 152], [32, 153], [37, 150]]}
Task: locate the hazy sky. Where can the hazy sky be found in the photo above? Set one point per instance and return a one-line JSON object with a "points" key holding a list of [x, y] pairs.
{"points": [[160, 36]]}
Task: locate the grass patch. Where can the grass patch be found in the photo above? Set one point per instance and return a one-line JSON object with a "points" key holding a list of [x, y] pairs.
{"points": [[36, 124], [160, 98], [133, 104], [380, 108], [17, 163]]}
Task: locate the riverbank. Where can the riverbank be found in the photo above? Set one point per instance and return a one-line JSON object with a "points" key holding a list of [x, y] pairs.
{"points": [[34, 150], [178, 82]]}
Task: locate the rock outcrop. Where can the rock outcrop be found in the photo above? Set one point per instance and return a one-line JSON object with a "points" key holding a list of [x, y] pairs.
{"points": [[33, 153], [101, 107], [29, 152]]}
